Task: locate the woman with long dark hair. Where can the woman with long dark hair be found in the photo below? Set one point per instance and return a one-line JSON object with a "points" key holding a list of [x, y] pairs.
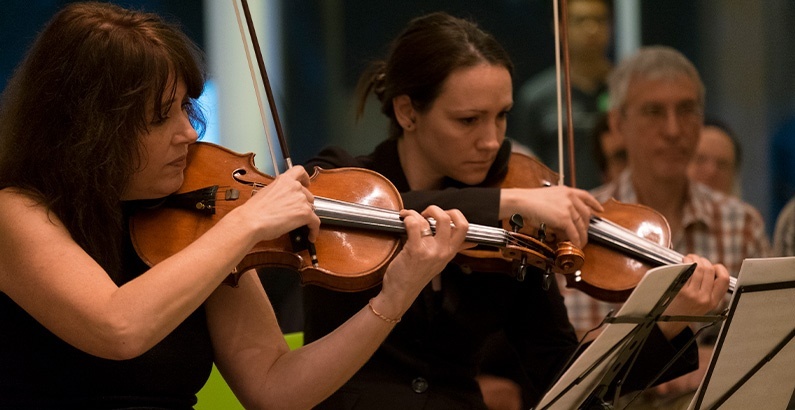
{"points": [[97, 118]]}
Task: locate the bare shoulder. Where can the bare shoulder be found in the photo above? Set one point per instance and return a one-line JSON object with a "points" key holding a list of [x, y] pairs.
{"points": [[14, 199], [11, 193], [26, 227], [20, 208], [23, 214]]}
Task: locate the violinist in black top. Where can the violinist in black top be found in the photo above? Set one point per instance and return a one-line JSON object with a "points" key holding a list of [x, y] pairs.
{"points": [[446, 88], [98, 117]]}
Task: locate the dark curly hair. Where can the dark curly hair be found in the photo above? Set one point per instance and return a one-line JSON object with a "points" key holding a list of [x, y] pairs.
{"points": [[73, 113]]}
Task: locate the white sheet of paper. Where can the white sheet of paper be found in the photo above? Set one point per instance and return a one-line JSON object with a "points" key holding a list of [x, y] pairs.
{"points": [[759, 322], [649, 291]]}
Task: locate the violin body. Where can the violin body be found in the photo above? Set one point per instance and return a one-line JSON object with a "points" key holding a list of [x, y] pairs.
{"points": [[527, 172], [610, 270], [348, 258], [608, 274]]}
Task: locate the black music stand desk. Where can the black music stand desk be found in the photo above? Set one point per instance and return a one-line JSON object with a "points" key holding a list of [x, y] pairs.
{"points": [[753, 364], [596, 367]]}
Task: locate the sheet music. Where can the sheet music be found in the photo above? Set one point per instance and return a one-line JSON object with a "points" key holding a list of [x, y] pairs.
{"points": [[759, 321], [643, 299]]}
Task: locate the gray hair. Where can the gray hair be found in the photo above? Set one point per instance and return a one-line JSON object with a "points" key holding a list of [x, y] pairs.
{"points": [[652, 62]]}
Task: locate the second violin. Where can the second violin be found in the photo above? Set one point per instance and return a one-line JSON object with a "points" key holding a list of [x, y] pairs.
{"points": [[624, 241]]}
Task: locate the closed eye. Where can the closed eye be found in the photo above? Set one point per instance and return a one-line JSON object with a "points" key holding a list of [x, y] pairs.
{"points": [[468, 120]]}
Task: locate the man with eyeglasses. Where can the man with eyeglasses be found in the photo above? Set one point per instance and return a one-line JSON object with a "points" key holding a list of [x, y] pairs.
{"points": [[656, 107], [657, 104]]}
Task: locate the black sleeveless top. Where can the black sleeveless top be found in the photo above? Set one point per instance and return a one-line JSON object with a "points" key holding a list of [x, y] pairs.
{"points": [[39, 370]]}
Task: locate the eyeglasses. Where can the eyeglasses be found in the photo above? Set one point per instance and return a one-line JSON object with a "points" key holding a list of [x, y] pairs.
{"points": [[685, 112]]}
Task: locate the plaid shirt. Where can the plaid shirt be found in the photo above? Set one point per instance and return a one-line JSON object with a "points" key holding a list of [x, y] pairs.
{"points": [[784, 236], [720, 228]]}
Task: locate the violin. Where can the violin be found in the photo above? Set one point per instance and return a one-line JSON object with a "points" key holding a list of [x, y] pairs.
{"points": [[639, 233], [360, 225], [624, 240]]}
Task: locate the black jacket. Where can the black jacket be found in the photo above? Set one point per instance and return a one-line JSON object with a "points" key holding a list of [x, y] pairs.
{"points": [[431, 357]]}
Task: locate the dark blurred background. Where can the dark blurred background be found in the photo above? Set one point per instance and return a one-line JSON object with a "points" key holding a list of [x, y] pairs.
{"points": [[744, 51]]}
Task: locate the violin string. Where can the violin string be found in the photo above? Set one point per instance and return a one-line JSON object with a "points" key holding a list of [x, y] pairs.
{"points": [[354, 214], [611, 233], [351, 213], [359, 214]]}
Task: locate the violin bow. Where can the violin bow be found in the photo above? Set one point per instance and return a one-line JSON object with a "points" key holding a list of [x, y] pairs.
{"points": [[266, 85], [298, 236], [562, 48]]}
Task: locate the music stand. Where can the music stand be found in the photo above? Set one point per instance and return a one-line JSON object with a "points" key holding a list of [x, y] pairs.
{"points": [[622, 337], [753, 363]]}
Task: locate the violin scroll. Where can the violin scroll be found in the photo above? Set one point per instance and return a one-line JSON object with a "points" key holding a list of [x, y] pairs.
{"points": [[569, 259]]}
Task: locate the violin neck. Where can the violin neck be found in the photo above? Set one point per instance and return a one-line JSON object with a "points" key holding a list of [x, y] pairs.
{"points": [[341, 213], [614, 236], [618, 238]]}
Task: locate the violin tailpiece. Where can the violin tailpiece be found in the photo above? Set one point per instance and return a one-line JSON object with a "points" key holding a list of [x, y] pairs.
{"points": [[202, 200]]}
